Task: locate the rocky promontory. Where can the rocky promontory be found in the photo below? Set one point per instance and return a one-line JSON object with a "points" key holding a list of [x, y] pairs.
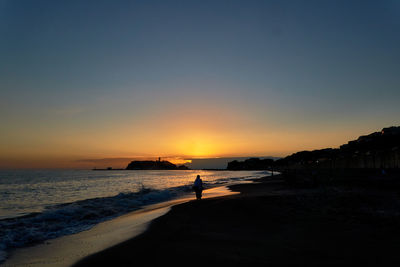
{"points": [[154, 165]]}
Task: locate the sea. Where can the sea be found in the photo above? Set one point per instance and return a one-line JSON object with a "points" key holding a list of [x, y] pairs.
{"points": [[38, 205]]}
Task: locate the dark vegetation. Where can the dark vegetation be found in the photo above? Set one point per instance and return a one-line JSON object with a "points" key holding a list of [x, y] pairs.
{"points": [[374, 151], [370, 161], [154, 165], [251, 164], [379, 150]]}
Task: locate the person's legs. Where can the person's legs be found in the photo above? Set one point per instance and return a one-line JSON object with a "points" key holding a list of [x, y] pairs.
{"points": [[198, 194]]}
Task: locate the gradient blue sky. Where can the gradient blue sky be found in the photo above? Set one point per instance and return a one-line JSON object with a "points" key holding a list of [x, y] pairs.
{"points": [[94, 79]]}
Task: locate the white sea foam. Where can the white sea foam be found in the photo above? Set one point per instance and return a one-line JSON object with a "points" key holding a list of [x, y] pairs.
{"points": [[54, 220]]}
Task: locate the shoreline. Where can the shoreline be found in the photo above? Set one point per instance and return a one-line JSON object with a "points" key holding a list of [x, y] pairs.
{"points": [[269, 223], [67, 250]]}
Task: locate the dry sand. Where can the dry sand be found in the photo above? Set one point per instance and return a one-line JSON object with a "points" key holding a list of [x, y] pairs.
{"points": [[269, 224]]}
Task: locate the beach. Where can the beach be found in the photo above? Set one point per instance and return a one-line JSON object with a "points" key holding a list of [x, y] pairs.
{"points": [[269, 223], [40, 208], [66, 250]]}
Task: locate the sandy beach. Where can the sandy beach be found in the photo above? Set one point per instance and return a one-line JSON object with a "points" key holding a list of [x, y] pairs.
{"points": [[67, 250], [269, 223], [117, 115]]}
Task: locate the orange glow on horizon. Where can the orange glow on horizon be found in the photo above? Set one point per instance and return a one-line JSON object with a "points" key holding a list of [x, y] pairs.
{"points": [[196, 130]]}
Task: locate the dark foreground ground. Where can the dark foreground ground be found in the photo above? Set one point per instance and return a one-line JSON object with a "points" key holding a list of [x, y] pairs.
{"points": [[270, 224]]}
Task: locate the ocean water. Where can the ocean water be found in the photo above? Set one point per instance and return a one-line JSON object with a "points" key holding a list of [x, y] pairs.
{"points": [[37, 205]]}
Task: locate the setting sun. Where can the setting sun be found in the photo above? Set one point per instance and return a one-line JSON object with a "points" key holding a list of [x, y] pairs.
{"points": [[270, 127], [200, 147]]}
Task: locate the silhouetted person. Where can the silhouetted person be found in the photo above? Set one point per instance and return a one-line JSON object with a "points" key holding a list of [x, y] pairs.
{"points": [[198, 187]]}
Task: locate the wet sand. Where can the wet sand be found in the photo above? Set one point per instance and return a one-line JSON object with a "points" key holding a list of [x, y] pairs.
{"points": [[269, 224], [67, 250]]}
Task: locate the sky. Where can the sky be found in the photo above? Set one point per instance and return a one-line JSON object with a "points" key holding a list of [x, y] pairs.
{"points": [[84, 80]]}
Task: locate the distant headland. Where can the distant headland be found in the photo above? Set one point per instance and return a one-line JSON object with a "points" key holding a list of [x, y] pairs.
{"points": [[154, 165], [147, 165], [378, 150]]}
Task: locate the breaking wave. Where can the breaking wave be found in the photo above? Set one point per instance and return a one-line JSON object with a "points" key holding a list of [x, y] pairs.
{"points": [[70, 218]]}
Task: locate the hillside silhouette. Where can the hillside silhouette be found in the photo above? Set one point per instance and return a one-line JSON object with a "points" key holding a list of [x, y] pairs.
{"points": [[154, 165], [378, 150]]}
